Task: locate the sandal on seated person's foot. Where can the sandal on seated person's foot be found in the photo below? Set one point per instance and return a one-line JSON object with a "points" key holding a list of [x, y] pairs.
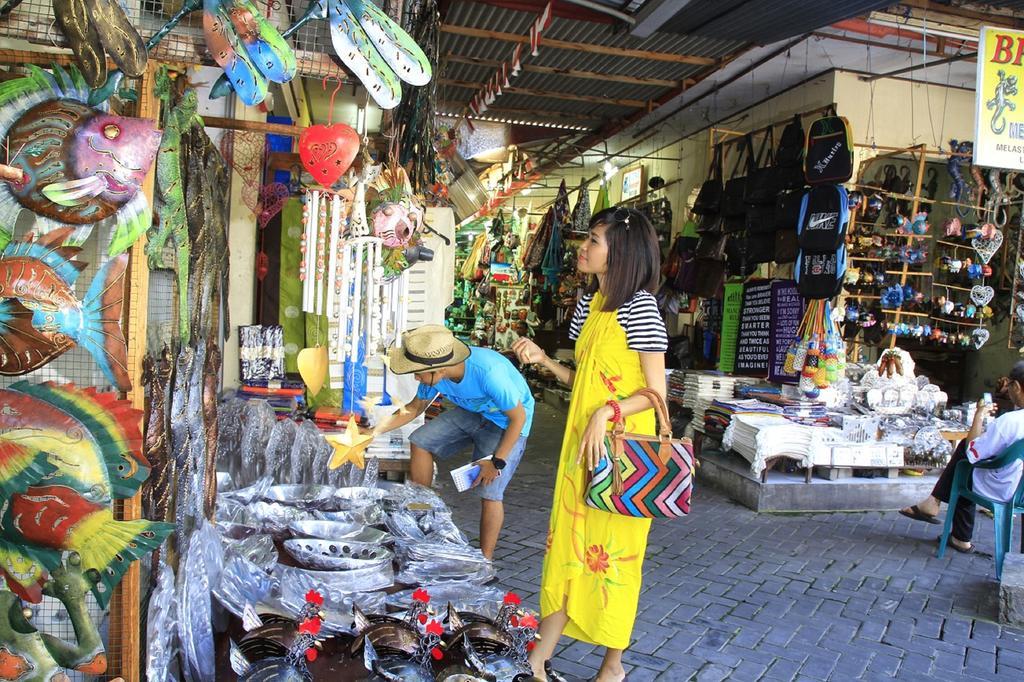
{"points": [[915, 513]]}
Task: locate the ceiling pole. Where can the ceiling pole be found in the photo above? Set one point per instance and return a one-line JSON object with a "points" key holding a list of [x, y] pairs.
{"points": [[515, 90], [606, 50]]}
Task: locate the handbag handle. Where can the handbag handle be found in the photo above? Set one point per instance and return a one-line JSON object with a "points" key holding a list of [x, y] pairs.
{"points": [[660, 409], [715, 168]]}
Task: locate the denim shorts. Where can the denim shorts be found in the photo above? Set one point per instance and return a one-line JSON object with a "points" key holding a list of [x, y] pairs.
{"points": [[455, 430]]}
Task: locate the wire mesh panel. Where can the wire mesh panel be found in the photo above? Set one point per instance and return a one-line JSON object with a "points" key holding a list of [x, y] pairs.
{"points": [[33, 21]]}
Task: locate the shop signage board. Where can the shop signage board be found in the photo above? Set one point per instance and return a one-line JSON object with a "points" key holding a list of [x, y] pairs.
{"points": [[999, 109], [732, 303], [787, 312], [753, 344]]}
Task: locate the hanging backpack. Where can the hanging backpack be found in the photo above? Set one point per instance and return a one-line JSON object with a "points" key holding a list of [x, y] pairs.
{"points": [[709, 197], [790, 153], [761, 184], [789, 157], [819, 275], [828, 153], [538, 244], [824, 215], [733, 206]]}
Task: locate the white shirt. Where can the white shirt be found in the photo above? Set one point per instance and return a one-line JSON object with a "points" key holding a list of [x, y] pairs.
{"points": [[998, 484]]}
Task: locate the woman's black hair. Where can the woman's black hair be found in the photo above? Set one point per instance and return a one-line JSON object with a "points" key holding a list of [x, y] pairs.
{"points": [[1017, 373], [634, 257]]}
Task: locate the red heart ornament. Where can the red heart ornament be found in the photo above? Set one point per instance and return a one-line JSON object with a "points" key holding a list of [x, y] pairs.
{"points": [[328, 151]]}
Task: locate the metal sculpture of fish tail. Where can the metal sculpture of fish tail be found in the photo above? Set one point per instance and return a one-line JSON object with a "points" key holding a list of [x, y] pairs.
{"points": [[357, 51], [23, 348], [81, 166], [230, 53], [96, 29], [40, 276]]}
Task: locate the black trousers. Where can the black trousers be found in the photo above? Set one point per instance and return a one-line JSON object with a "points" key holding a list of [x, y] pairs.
{"points": [[963, 515]]}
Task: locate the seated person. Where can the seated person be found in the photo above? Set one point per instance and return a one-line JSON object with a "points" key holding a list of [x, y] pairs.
{"points": [[997, 484]]}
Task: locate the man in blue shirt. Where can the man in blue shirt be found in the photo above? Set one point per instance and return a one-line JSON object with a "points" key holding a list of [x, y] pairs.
{"points": [[493, 413]]}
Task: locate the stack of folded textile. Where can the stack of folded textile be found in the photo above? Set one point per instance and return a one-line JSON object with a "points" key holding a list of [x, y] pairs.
{"points": [[721, 412], [286, 397], [703, 388], [759, 438]]}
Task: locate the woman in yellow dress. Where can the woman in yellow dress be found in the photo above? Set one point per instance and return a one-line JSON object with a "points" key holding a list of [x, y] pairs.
{"points": [[590, 585]]}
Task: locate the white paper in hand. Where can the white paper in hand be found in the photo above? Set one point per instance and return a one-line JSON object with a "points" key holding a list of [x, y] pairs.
{"points": [[464, 476]]}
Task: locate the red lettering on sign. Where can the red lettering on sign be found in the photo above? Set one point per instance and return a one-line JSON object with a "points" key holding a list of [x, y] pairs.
{"points": [[1002, 53]]}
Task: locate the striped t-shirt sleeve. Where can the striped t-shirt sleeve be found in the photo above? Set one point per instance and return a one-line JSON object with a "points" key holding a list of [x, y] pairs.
{"points": [[645, 330], [579, 316]]}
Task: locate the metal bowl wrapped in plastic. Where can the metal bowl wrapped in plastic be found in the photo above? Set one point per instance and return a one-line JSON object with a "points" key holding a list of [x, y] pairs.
{"points": [[335, 582], [274, 518], [337, 530], [367, 516], [333, 555], [305, 496], [464, 596], [357, 497]]}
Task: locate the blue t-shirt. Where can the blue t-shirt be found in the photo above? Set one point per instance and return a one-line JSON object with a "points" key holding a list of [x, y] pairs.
{"points": [[490, 386]]}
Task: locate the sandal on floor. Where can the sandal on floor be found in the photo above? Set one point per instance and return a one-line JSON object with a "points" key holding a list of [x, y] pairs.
{"points": [[916, 514], [552, 675], [949, 543]]}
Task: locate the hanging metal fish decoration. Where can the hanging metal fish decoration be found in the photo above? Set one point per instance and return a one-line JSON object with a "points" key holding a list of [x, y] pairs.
{"points": [[96, 29], [82, 166], [106, 90], [93, 443], [39, 276], [249, 49]]}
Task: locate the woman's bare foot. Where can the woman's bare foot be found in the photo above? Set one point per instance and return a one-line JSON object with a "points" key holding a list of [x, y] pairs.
{"points": [[610, 674]]}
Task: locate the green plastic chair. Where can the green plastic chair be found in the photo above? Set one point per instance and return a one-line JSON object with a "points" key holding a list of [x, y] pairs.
{"points": [[1003, 512]]}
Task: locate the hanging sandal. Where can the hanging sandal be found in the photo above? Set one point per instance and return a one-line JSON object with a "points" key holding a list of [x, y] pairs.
{"points": [[916, 514]]}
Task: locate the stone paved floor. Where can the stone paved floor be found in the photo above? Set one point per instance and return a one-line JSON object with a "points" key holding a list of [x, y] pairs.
{"points": [[731, 594]]}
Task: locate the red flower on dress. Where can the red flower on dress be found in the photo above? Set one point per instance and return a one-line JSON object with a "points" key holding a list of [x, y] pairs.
{"points": [[315, 597], [597, 559], [421, 595], [512, 599]]}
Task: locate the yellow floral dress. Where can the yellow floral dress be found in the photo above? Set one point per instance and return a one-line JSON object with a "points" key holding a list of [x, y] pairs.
{"points": [[594, 558]]}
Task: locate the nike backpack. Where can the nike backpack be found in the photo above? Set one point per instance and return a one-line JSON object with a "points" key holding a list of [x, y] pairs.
{"points": [[828, 153], [824, 215], [819, 275]]}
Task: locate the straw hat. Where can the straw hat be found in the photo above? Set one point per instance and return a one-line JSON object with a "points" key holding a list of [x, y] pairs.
{"points": [[425, 349]]}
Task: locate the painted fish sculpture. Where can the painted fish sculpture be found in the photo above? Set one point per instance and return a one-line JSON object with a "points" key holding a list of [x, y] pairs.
{"points": [[369, 43], [82, 166], [65, 455], [41, 317], [97, 29], [248, 48]]}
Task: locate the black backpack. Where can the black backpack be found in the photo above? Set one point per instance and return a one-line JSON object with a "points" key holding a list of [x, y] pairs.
{"points": [[828, 154], [819, 274], [735, 189], [824, 215], [790, 153], [709, 197]]}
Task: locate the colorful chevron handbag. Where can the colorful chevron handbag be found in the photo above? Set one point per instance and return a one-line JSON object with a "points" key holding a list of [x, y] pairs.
{"points": [[644, 476]]}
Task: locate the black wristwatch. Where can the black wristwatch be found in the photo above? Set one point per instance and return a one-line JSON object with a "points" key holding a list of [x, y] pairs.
{"points": [[498, 463]]}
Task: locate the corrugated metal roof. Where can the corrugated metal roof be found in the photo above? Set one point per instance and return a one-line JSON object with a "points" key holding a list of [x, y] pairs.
{"points": [[762, 22], [490, 18]]}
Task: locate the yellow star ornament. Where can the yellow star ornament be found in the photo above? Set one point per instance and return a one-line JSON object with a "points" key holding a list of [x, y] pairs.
{"points": [[349, 446]]}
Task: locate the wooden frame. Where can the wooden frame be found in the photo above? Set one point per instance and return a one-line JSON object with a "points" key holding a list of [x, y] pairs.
{"points": [[634, 185]]}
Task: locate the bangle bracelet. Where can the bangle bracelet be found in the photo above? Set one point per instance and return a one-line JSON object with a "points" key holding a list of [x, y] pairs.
{"points": [[616, 411]]}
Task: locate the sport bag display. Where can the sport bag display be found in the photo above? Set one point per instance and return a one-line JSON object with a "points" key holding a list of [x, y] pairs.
{"points": [[709, 198], [828, 154], [820, 275], [824, 215], [644, 476], [791, 145], [733, 204]]}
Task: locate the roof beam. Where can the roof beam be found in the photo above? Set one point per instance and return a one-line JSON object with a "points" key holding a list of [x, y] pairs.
{"points": [[533, 113], [990, 18], [653, 15], [571, 73], [633, 103], [607, 50]]}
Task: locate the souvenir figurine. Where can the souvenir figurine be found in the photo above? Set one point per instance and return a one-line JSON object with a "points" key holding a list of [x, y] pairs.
{"points": [[41, 317], [96, 30], [82, 166], [67, 455], [28, 654]]}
